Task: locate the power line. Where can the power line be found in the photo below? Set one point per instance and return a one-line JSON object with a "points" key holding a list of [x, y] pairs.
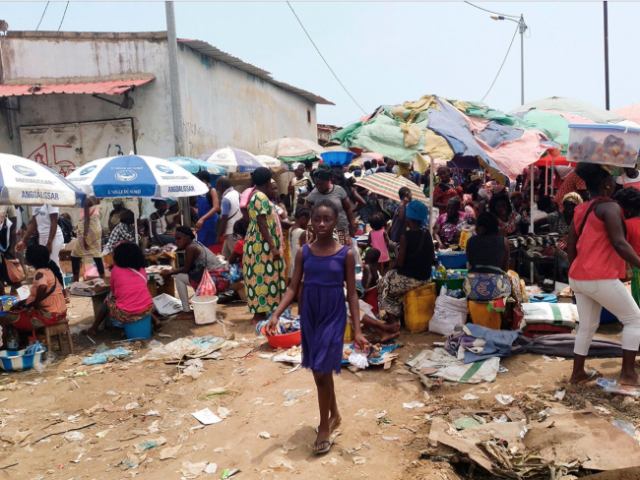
{"points": [[63, 15], [490, 11], [325, 61], [503, 62], [42, 17]]}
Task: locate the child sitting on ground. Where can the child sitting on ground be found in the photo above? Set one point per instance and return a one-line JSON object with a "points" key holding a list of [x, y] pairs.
{"points": [[370, 277]]}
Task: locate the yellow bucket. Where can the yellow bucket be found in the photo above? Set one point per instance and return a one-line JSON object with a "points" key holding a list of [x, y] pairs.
{"points": [[419, 305], [483, 317], [348, 332]]}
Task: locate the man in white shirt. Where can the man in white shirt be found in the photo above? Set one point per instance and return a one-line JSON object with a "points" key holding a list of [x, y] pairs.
{"points": [[230, 214], [631, 178]]}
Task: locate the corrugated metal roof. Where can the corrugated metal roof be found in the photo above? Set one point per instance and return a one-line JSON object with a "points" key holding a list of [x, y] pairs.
{"points": [[210, 51], [113, 87]]}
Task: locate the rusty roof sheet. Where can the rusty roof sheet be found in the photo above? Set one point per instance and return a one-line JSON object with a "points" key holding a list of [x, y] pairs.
{"points": [[112, 87], [210, 51]]}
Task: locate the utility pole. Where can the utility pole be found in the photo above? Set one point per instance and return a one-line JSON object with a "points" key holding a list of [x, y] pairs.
{"points": [[606, 55], [522, 27], [176, 107]]}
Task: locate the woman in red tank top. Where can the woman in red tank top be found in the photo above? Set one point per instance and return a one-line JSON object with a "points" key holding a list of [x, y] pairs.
{"points": [[597, 249]]}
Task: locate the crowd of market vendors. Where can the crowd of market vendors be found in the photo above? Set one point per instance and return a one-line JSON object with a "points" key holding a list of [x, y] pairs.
{"points": [[250, 242]]}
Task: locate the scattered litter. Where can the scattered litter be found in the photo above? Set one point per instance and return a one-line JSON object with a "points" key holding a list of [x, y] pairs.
{"points": [[169, 452], [266, 356], [73, 436], [152, 413], [192, 470], [359, 460], [391, 439], [228, 473], [218, 450], [279, 462], [606, 411], [102, 434], [211, 468], [502, 369], [103, 355], [559, 395], [381, 414], [439, 363], [77, 460], [71, 418], [413, 405], [332, 461], [502, 419], [198, 447], [504, 399], [206, 417], [464, 423], [288, 447], [626, 427], [291, 396], [111, 393], [264, 435], [611, 386], [149, 444], [223, 412], [470, 396]]}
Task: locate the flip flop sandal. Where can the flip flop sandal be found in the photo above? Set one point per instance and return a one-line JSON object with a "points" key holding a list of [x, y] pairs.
{"points": [[324, 450], [331, 429], [593, 375]]}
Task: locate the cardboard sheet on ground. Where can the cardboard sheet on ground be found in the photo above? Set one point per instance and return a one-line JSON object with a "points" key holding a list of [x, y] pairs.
{"points": [[452, 369], [566, 438], [585, 437]]}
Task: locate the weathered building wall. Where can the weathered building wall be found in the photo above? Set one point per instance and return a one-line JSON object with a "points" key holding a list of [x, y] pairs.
{"points": [[223, 106], [82, 57]]}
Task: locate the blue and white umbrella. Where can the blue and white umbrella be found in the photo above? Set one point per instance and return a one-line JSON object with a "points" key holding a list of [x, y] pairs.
{"points": [[25, 182], [193, 165], [136, 176], [233, 159]]}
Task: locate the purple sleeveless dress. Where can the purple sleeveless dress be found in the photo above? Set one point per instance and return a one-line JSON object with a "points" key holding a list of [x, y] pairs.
{"points": [[323, 316]]}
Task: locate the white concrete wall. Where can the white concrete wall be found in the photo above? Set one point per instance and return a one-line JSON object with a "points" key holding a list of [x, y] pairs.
{"points": [[92, 56], [223, 106]]}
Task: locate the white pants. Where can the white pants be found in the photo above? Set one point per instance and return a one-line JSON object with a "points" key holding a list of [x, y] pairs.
{"points": [[591, 296], [56, 246], [182, 281]]}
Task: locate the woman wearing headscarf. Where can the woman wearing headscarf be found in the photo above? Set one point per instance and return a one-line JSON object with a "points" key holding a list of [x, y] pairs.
{"points": [[559, 222], [324, 189], [198, 260], [262, 264], [413, 264]]}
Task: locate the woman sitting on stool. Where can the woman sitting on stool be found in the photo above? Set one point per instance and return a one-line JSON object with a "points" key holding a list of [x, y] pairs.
{"points": [[129, 300]]}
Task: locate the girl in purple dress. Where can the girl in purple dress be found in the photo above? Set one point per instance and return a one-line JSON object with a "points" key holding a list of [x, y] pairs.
{"points": [[326, 266]]}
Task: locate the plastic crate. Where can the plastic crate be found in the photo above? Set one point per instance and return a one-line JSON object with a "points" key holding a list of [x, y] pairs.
{"points": [[451, 283], [337, 159], [603, 144]]}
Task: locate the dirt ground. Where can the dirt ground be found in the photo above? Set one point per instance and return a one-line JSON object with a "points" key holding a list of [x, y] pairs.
{"points": [[129, 402]]}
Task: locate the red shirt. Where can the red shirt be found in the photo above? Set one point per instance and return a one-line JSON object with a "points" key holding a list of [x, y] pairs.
{"points": [[239, 248], [597, 259], [573, 183], [442, 196], [633, 233]]}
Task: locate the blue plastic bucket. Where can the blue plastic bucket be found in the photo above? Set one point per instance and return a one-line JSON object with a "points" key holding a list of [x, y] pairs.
{"points": [[15, 361], [337, 159], [453, 260], [139, 329]]}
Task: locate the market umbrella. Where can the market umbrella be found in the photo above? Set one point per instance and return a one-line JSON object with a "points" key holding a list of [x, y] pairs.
{"points": [[269, 162], [25, 182], [136, 176], [573, 107], [291, 150], [233, 160], [388, 184], [193, 165], [630, 112], [368, 156]]}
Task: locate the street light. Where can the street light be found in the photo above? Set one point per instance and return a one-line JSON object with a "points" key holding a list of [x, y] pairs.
{"points": [[522, 28]]}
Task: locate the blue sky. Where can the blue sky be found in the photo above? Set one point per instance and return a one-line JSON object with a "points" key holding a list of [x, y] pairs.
{"points": [[390, 52]]}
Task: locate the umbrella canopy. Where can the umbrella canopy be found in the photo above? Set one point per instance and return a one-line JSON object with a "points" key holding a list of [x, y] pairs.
{"points": [[292, 149], [232, 159], [136, 176], [193, 165], [573, 107], [388, 184], [441, 129], [630, 112], [368, 156], [269, 162], [25, 182]]}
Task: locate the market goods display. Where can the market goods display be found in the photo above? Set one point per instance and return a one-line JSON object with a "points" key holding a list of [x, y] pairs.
{"points": [[603, 144]]}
